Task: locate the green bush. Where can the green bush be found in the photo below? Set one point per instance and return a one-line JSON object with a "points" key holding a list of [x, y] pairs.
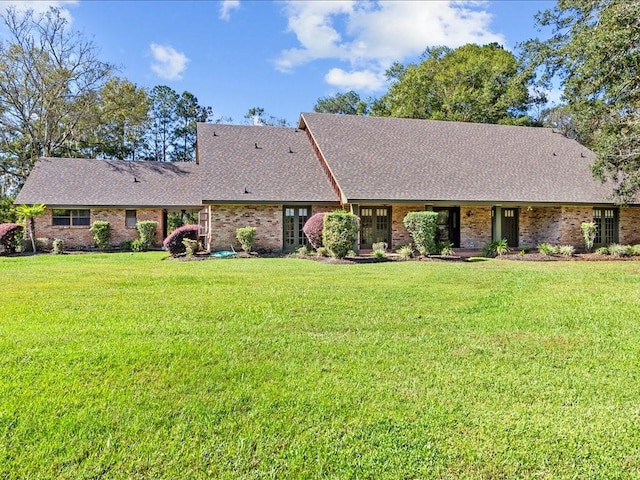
{"points": [[191, 246], [566, 250], [423, 227], [340, 232], [380, 246], [137, 245], [378, 254], [246, 236], [497, 247], [548, 249], [126, 245], [323, 252], [447, 249], [618, 250], [57, 246], [147, 232], [602, 251], [635, 250], [589, 231], [304, 250], [101, 230], [405, 252]]}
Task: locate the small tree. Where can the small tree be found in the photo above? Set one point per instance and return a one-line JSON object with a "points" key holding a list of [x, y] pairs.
{"points": [[246, 236], [423, 227], [101, 233], [28, 214], [340, 232], [589, 231], [313, 229], [147, 231]]}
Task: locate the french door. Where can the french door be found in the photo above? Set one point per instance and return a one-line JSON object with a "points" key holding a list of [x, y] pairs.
{"points": [[375, 226], [294, 219]]}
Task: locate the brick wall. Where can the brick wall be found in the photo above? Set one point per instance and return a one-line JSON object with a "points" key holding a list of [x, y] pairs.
{"points": [[225, 219], [82, 236], [629, 225], [475, 226], [570, 220], [540, 224]]}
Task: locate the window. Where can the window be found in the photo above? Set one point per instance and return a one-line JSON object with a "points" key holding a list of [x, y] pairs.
{"points": [[606, 220], [130, 219], [75, 218]]}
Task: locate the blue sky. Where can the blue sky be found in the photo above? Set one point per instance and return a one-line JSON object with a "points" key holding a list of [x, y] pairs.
{"points": [[283, 55]]}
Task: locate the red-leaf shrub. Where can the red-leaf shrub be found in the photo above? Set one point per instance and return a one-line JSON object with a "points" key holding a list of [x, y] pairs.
{"points": [[9, 233], [313, 229], [173, 243]]}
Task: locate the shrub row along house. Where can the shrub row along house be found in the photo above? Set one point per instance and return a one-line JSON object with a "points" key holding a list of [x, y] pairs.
{"points": [[488, 182]]}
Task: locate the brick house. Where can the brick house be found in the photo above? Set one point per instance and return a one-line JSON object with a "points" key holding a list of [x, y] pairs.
{"points": [[528, 185]]}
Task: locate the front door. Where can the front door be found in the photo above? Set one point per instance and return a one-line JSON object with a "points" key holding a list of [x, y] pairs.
{"points": [[510, 226], [294, 219], [375, 226], [448, 225]]}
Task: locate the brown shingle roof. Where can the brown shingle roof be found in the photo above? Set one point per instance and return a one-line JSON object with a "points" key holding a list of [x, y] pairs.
{"points": [[283, 168], [404, 159], [83, 182]]}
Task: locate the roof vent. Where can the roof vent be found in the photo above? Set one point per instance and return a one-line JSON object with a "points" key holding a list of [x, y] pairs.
{"points": [[291, 151], [215, 134], [555, 154], [256, 144], [245, 191], [135, 180]]}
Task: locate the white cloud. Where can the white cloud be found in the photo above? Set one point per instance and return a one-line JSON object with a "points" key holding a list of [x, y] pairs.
{"points": [[39, 6], [361, 81], [370, 36], [168, 63], [226, 8]]}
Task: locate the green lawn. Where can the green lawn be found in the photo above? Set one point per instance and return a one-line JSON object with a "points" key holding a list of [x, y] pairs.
{"points": [[126, 366]]}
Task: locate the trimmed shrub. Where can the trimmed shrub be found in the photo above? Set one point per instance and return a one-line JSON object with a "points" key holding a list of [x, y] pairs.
{"points": [[246, 236], [173, 243], [548, 249], [423, 227], [618, 250], [405, 252], [497, 247], [101, 233], [126, 245], [323, 252], [57, 246], [304, 250], [589, 231], [447, 250], [380, 246], [635, 250], [191, 246], [137, 245], [340, 232], [313, 229], [147, 231], [566, 250], [602, 251], [10, 236]]}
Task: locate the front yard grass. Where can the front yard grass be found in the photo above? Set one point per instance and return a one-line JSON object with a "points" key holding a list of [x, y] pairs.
{"points": [[126, 366]]}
